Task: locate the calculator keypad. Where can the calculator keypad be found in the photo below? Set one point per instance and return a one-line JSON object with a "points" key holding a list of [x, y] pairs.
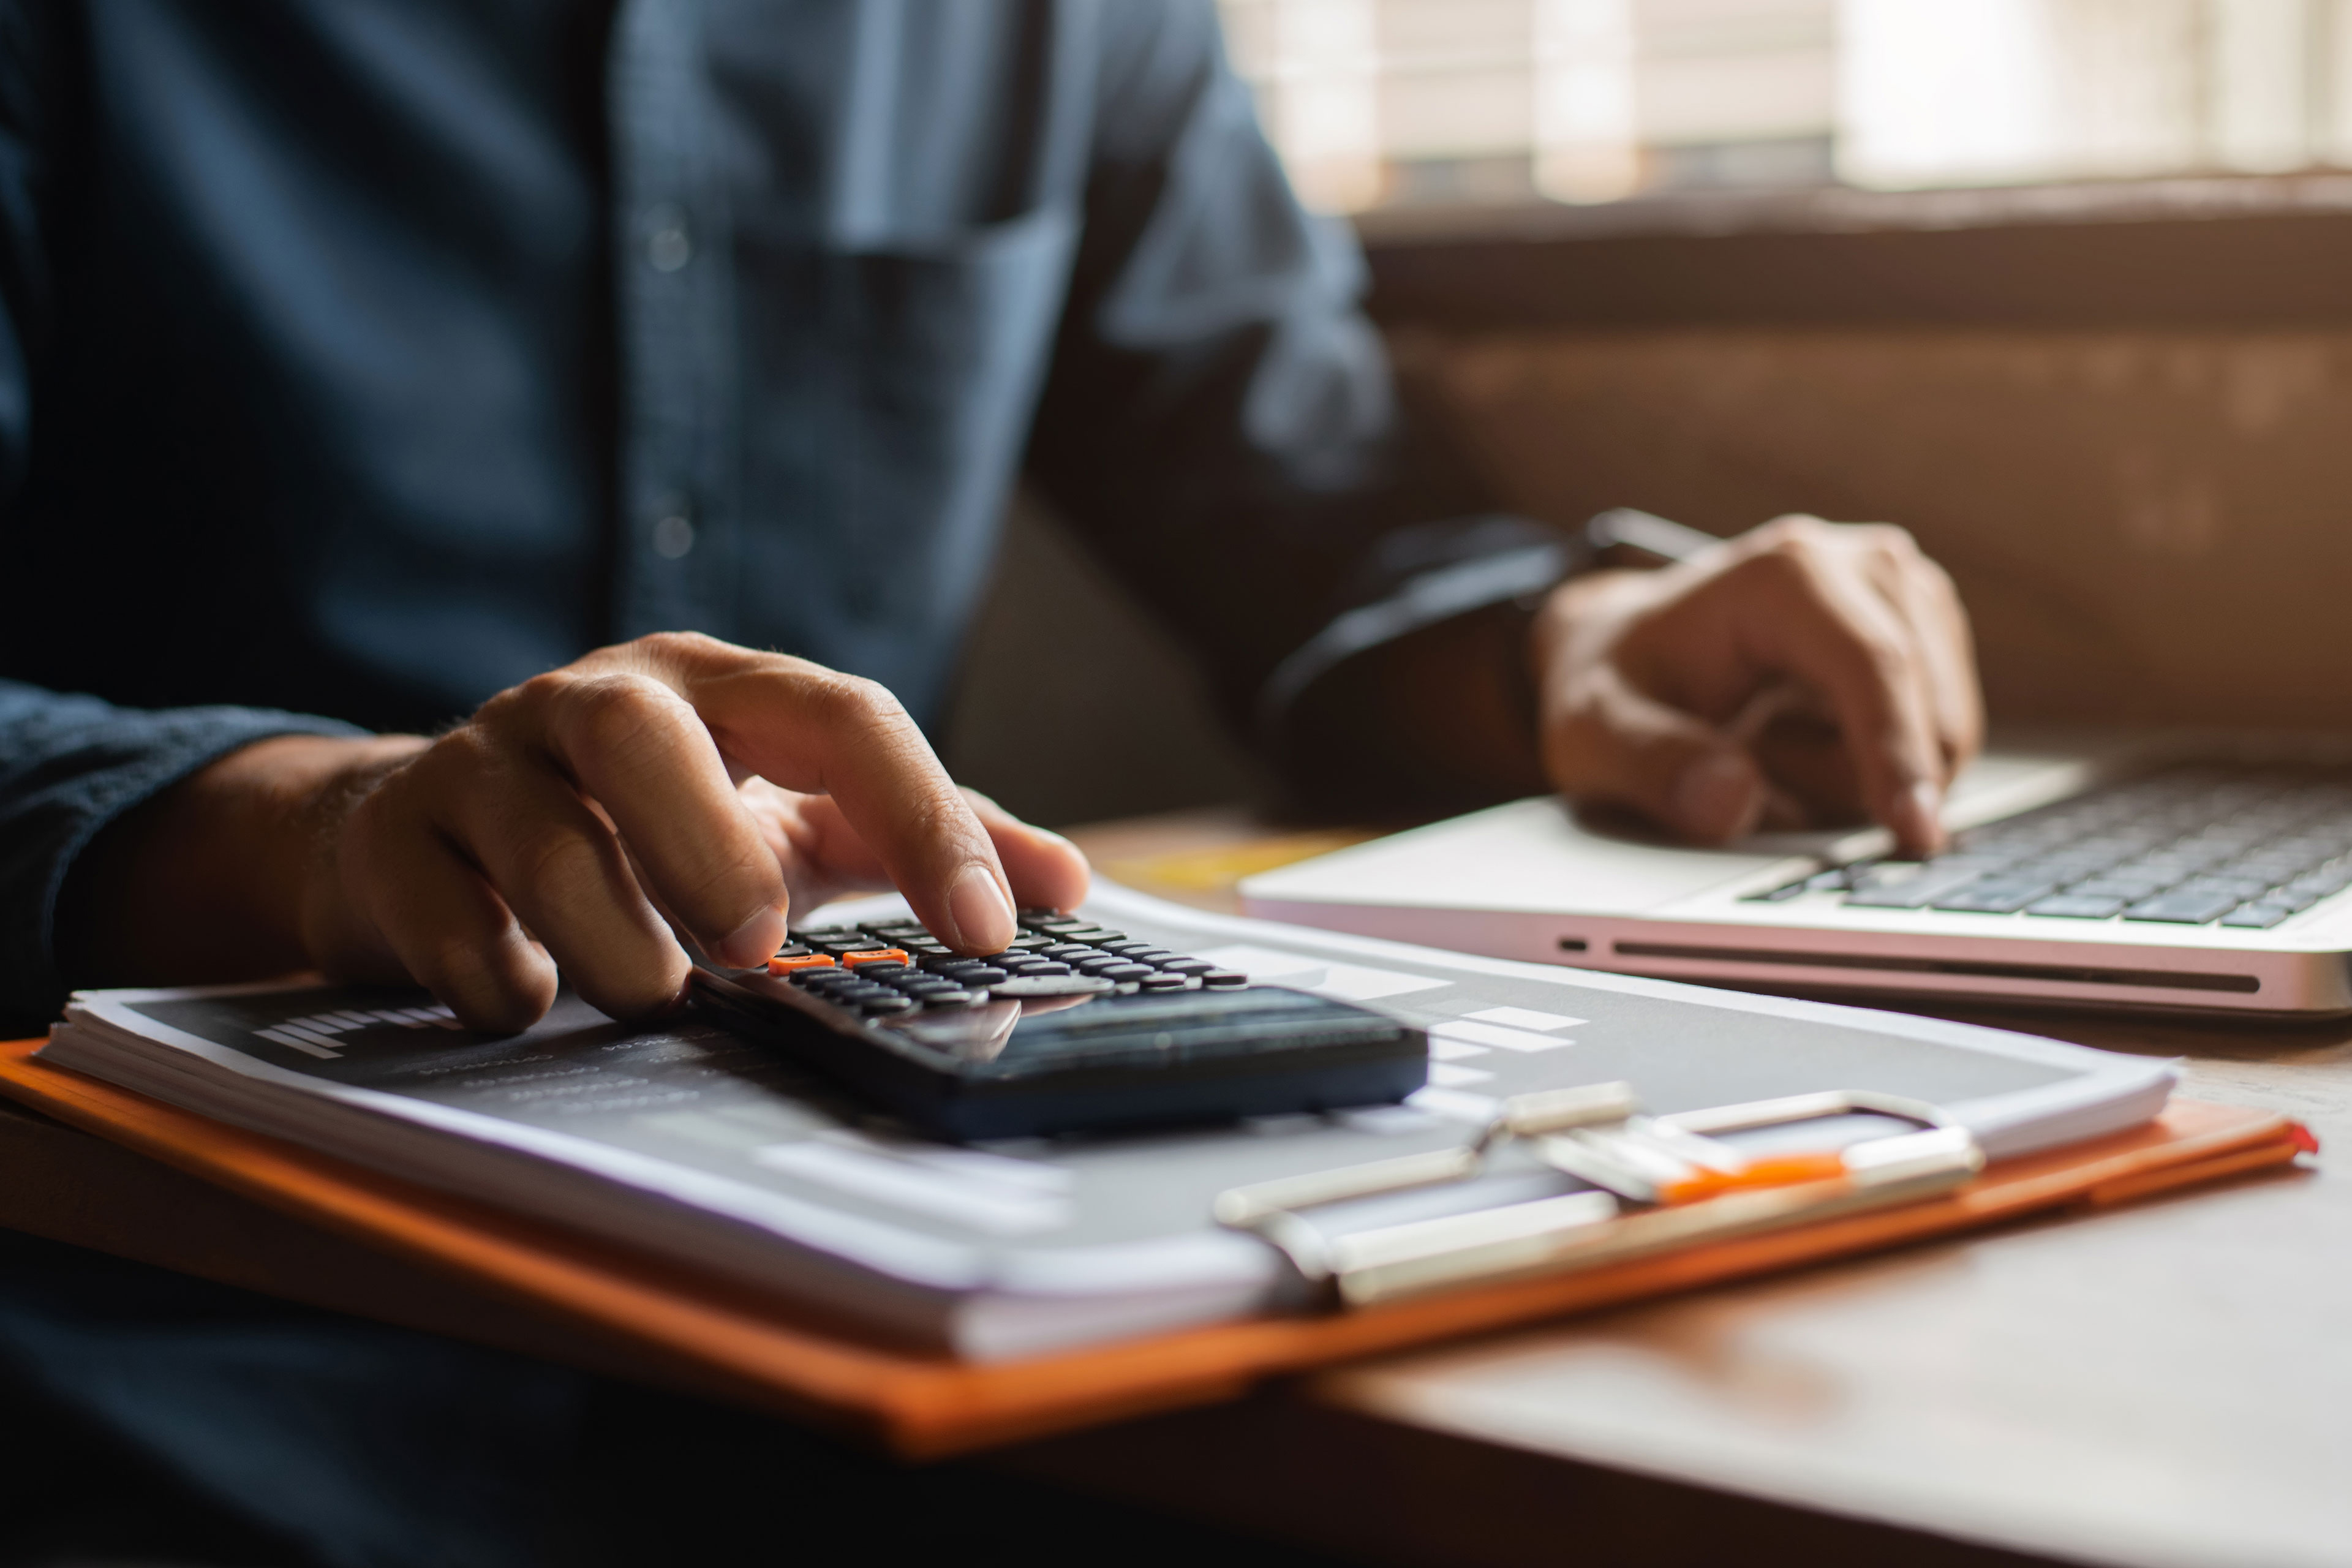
{"points": [[898, 966]]}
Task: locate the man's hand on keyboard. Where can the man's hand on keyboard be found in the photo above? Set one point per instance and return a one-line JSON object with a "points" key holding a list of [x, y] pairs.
{"points": [[1802, 672], [573, 822]]}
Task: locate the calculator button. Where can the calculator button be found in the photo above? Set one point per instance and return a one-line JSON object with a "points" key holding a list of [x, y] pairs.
{"points": [[1225, 980], [858, 959], [1122, 971], [838, 944], [787, 964], [1067, 950], [1096, 962], [1030, 968], [1063, 985], [1150, 980], [950, 998], [1189, 966], [885, 1005]]}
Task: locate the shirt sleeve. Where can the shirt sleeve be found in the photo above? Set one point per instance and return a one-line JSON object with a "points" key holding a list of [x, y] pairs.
{"points": [[1220, 422], [69, 766]]}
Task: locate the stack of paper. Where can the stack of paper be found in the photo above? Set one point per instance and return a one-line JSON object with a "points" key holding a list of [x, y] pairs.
{"points": [[689, 1143]]}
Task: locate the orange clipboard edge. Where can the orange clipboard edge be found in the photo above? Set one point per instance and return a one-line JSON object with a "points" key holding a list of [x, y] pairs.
{"points": [[930, 1405]]}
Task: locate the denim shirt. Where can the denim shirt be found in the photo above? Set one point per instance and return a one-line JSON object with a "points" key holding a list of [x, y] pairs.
{"points": [[359, 358]]}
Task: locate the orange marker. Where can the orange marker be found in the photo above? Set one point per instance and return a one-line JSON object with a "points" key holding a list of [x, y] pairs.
{"points": [[1785, 1170], [877, 955], [805, 961]]}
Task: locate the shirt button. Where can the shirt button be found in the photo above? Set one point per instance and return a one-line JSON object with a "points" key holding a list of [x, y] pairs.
{"points": [[673, 535], [669, 246]]}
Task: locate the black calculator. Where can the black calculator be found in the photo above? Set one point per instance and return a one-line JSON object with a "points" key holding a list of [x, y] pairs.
{"points": [[1073, 1029]]}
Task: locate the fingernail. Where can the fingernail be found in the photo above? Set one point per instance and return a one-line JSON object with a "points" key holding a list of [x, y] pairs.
{"points": [[754, 941], [982, 913], [1718, 797]]}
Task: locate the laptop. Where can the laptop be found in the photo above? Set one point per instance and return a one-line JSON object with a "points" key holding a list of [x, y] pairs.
{"points": [[2173, 872]]}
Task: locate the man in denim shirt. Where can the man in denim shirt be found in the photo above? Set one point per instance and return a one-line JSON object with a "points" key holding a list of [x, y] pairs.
{"points": [[368, 366]]}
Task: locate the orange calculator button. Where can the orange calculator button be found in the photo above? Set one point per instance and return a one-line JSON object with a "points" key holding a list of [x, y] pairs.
{"points": [[805, 961], [874, 956]]}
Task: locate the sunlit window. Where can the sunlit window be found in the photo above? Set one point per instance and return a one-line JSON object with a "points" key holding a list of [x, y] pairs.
{"points": [[1418, 102]]}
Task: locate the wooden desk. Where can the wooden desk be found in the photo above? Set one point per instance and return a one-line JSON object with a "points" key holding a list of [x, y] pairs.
{"points": [[2168, 1385]]}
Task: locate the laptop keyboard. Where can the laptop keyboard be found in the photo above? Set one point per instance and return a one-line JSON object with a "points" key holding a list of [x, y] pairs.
{"points": [[2194, 845]]}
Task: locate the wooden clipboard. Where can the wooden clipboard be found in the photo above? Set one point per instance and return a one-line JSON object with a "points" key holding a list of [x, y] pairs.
{"points": [[926, 1406]]}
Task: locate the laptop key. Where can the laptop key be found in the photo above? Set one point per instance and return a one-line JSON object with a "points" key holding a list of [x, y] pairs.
{"points": [[2233, 887], [2182, 909], [2130, 889], [1929, 882], [2255, 917], [1991, 896], [2078, 907]]}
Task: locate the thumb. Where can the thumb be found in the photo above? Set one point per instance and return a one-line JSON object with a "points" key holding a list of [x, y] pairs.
{"points": [[1619, 745]]}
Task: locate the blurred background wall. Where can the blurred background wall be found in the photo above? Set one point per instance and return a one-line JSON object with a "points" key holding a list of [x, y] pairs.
{"points": [[2062, 285], [2143, 524]]}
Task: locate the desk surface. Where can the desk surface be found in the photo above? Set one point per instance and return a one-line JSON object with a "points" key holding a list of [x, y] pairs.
{"points": [[2169, 1384]]}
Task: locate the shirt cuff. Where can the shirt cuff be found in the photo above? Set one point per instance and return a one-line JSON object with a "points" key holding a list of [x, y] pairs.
{"points": [[1422, 600], [72, 770]]}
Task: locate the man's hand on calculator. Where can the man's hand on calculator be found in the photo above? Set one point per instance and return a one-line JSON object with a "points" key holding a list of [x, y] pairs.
{"points": [[576, 818], [1802, 672]]}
